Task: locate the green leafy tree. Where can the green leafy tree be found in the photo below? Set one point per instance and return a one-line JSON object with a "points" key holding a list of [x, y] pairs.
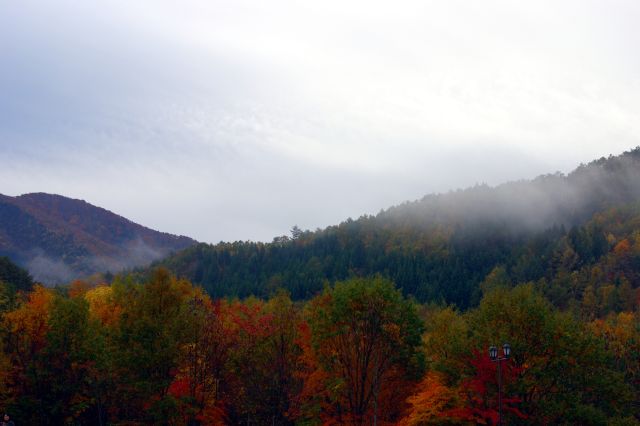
{"points": [[366, 335], [152, 332], [566, 373], [70, 360]]}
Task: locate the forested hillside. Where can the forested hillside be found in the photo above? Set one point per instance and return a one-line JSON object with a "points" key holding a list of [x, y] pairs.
{"points": [[58, 238], [572, 235]]}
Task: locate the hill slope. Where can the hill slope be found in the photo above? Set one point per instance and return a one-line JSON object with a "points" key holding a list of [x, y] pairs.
{"points": [[58, 238], [443, 246]]}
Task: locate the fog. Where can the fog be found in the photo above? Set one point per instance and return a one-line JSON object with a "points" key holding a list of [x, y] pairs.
{"points": [[51, 271], [530, 205]]}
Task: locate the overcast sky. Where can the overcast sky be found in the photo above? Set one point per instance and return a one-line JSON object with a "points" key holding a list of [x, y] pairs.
{"points": [[235, 120]]}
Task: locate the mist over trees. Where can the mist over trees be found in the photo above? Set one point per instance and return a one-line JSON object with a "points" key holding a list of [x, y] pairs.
{"points": [[524, 206], [442, 247], [59, 239]]}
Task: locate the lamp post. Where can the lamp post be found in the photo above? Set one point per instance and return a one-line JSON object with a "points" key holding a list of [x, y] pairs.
{"points": [[493, 354]]}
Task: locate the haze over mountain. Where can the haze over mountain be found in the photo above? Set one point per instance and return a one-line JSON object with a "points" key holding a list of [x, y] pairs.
{"points": [[58, 239]]}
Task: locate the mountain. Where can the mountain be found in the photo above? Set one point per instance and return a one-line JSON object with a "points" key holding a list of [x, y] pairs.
{"points": [[58, 238], [444, 246]]}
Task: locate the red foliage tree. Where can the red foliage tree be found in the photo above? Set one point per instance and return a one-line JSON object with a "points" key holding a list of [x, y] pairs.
{"points": [[479, 393]]}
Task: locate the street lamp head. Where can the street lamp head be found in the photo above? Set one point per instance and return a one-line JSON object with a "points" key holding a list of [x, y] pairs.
{"points": [[506, 349], [493, 352]]}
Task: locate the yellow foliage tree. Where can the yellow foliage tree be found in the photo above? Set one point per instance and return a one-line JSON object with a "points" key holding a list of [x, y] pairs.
{"points": [[102, 306], [429, 404]]}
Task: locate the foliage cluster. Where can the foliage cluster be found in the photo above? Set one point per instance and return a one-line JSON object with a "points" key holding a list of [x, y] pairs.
{"points": [[359, 353]]}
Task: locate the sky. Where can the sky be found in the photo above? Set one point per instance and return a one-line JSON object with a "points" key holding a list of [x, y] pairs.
{"points": [[236, 120]]}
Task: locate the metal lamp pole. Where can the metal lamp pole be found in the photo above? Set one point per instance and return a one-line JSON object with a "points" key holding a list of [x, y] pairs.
{"points": [[493, 354]]}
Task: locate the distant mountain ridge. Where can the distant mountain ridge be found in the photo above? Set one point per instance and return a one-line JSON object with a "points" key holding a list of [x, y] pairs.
{"points": [[58, 238]]}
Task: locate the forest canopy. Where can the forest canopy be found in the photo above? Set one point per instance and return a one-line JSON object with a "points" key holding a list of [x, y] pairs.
{"points": [[359, 353]]}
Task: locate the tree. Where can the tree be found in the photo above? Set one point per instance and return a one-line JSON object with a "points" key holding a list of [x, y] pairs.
{"points": [[366, 336], [25, 338], [477, 396], [446, 340], [151, 333], [564, 371], [283, 355], [70, 357], [621, 334], [264, 360], [296, 232], [198, 387], [429, 405]]}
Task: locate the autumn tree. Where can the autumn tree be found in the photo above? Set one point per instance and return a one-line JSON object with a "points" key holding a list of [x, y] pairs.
{"points": [[564, 370], [432, 402], [446, 341], [262, 364], [202, 375], [147, 344], [367, 338], [621, 334], [70, 355], [284, 354], [25, 337]]}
